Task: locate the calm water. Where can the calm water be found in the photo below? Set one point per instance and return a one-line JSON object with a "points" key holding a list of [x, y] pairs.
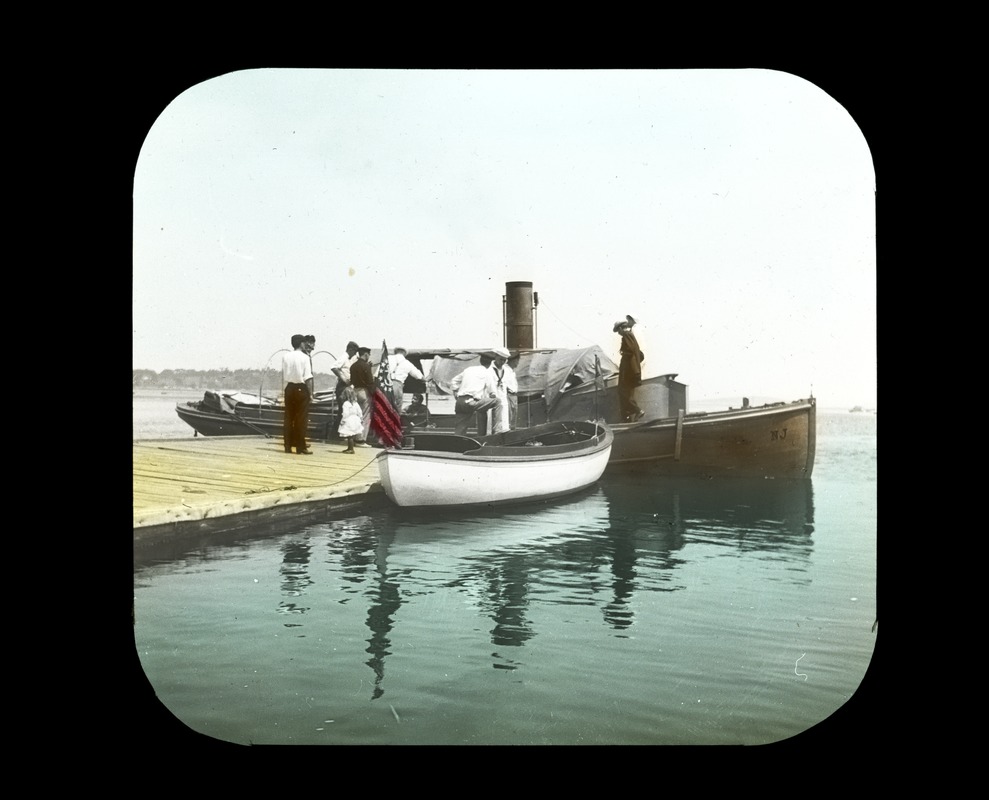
{"points": [[644, 611]]}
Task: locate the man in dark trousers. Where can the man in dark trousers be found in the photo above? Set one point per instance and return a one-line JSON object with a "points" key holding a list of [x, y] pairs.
{"points": [[629, 371], [341, 368], [362, 379], [476, 393], [297, 380]]}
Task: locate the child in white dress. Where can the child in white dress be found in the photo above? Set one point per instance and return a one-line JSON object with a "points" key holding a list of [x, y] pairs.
{"points": [[351, 418]]}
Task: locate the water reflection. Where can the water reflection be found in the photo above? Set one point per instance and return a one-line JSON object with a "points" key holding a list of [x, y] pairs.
{"points": [[606, 549], [752, 515], [295, 576], [497, 558], [384, 603]]}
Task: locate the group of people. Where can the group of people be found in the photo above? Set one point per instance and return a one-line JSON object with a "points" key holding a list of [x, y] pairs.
{"points": [[355, 390], [489, 386]]}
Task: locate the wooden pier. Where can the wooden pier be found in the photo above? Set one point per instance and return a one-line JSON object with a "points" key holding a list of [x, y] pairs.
{"points": [[203, 484]]}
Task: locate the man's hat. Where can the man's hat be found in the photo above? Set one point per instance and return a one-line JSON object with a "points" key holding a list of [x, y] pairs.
{"points": [[362, 350], [501, 352], [401, 350], [352, 346]]}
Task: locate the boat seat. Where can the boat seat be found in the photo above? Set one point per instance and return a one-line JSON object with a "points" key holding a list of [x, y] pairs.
{"points": [[445, 442]]}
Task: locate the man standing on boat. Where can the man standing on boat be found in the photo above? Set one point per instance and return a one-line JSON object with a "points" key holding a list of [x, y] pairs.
{"points": [[506, 387], [297, 383], [401, 368], [475, 391], [629, 370]]}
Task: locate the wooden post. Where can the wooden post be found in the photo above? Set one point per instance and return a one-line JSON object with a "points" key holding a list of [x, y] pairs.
{"points": [[676, 452]]}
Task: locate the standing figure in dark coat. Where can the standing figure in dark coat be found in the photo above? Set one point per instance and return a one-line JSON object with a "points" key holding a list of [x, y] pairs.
{"points": [[629, 371], [362, 379]]}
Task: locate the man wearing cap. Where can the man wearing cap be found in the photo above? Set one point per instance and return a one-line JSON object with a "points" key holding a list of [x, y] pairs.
{"points": [[474, 389], [506, 388], [341, 368], [629, 370], [401, 368], [362, 379]]}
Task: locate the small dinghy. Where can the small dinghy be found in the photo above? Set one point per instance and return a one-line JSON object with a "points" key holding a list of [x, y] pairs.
{"points": [[446, 469]]}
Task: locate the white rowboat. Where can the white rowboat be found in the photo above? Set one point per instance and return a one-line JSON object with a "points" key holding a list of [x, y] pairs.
{"points": [[445, 469]]}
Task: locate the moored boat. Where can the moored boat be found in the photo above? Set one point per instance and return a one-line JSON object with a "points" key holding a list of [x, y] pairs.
{"points": [[447, 469], [242, 414], [776, 440]]}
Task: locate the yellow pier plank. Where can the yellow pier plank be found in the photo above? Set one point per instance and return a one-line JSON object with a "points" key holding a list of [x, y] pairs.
{"points": [[192, 480]]}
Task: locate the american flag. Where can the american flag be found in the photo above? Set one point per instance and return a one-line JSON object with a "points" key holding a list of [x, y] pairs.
{"points": [[385, 420], [384, 369]]}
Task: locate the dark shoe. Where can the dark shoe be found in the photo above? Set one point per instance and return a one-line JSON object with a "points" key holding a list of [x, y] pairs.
{"points": [[306, 452], [349, 450], [639, 416]]}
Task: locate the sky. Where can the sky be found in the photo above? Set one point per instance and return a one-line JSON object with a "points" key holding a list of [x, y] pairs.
{"points": [[732, 212]]}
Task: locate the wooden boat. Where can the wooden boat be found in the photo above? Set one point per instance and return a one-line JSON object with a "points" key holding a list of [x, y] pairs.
{"points": [[241, 414], [544, 461], [776, 440]]}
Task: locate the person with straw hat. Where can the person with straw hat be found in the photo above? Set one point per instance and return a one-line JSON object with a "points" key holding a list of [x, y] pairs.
{"points": [[506, 387]]}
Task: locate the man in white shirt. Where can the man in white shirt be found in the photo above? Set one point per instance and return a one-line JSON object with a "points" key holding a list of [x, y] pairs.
{"points": [[506, 388], [474, 389], [341, 368], [297, 383], [401, 368]]}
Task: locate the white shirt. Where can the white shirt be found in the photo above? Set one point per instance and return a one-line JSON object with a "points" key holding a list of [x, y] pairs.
{"points": [[508, 379], [401, 368], [476, 382], [296, 367], [343, 364]]}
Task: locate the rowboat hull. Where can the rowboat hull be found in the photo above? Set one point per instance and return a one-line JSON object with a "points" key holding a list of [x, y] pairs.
{"points": [[501, 470]]}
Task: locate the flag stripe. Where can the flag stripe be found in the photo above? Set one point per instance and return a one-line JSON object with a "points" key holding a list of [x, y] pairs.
{"points": [[385, 421]]}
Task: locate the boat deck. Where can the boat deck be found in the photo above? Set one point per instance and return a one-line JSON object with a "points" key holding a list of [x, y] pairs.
{"points": [[205, 482]]}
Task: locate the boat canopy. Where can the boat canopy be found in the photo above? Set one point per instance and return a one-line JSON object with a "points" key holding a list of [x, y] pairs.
{"points": [[539, 372]]}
